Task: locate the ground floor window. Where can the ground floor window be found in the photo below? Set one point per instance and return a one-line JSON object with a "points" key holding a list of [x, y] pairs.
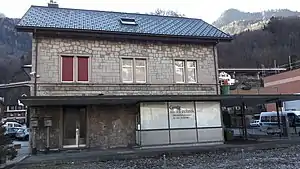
{"points": [[179, 122]]}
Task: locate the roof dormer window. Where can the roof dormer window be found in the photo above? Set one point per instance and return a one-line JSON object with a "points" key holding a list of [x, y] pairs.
{"points": [[128, 21]]}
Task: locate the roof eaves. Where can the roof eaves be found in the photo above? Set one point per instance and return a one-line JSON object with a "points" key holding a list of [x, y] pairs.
{"points": [[32, 29]]}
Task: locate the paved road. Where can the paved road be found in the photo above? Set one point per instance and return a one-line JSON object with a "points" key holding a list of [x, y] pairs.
{"points": [[24, 147], [288, 158]]}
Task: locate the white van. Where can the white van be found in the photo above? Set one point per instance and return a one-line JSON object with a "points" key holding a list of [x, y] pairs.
{"points": [[268, 120]]}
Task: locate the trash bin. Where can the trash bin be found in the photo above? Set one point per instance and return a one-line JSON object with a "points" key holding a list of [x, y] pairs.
{"points": [[225, 89], [228, 134]]}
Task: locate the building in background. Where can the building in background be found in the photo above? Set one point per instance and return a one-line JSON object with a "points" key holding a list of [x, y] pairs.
{"points": [[284, 83], [16, 113]]}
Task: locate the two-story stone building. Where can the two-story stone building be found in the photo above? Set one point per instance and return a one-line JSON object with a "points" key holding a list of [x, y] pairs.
{"points": [[112, 79]]}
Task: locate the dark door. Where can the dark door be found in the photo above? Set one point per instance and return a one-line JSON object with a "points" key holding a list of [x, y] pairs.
{"points": [[74, 126]]}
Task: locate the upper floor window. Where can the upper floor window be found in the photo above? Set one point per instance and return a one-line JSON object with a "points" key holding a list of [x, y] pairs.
{"points": [[185, 71], [74, 68], [134, 70]]}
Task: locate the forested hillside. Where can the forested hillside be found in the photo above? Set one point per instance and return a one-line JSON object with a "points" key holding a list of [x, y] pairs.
{"points": [[279, 39], [15, 51]]}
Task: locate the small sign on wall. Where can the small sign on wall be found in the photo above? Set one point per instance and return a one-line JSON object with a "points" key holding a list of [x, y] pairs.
{"points": [[182, 114], [177, 112], [48, 122], [34, 123]]}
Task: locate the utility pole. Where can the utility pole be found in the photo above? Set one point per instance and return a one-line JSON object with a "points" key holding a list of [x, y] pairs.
{"points": [[290, 62]]}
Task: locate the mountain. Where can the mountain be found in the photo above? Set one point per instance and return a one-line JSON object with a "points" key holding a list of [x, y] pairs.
{"points": [[15, 48], [15, 51], [279, 39], [234, 21]]}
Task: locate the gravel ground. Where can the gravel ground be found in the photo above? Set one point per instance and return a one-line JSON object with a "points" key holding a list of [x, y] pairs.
{"points": [[267, 159]]}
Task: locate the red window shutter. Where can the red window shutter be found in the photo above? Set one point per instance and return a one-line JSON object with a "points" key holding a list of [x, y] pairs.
{"points": [[83, 69], [67, 68]]}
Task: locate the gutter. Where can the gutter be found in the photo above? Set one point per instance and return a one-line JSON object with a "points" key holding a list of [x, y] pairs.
{"points": [[107, 33], [16, 84]]}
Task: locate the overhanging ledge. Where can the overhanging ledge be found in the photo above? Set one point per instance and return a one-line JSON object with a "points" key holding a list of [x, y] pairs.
{"points": [[226, 100]]}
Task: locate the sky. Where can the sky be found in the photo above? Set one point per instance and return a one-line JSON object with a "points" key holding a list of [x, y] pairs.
{"points": [[207, 10]]}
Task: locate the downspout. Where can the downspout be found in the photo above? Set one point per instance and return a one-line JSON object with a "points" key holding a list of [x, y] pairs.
{"points": [[216, 69], [33, 135], [35, 64]]}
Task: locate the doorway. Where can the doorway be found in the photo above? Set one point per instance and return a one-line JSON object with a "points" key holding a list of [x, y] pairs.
{"points": [[74, 127]]}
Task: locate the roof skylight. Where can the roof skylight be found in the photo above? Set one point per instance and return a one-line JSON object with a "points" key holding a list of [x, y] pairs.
{"points": [[128, 21]]}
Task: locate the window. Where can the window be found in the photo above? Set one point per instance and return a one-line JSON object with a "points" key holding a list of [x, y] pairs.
{"points": [[17, 125], [191, 72], [74, 68], [140, 70], [83, 70], [67, 69], [128, 21], [179, 68], [134, 70], [127, 70], [185, 71]]}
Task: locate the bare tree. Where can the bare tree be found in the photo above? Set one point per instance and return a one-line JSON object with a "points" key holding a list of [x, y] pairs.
{"points": [[162, 12]]}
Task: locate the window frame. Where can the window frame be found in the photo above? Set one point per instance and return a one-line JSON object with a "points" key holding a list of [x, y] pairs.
{"points": [[89, 68], [195, 69], [185, 71], [61, 69], [75, 67], [135, 70], [134, 67]]}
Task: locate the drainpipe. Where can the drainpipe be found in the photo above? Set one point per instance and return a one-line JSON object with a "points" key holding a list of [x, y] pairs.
{"points": [[35, 67], [216, 69], [34, 149]]}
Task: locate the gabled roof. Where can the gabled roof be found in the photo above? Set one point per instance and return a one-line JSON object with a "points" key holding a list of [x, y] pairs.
{"points": [[39, 17]]}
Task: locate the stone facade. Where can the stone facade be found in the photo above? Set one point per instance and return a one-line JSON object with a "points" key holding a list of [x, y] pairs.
{"points": [[113, 126], [105, 71], [55, 130], [107, 126]]}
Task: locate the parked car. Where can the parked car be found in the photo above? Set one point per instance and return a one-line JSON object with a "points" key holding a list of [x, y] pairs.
{"points": [[13, 124], [11, 131], [255, 123], [23, 134]]}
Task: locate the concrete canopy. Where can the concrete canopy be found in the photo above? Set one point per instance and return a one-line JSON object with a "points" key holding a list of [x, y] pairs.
{"points": [[226, 100]]}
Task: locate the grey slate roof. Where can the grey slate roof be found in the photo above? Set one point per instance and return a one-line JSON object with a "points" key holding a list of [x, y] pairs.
{"points": [[89, 20]]}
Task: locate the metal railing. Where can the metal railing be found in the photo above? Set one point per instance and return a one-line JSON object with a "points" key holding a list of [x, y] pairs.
{"points": [[289, 67]]}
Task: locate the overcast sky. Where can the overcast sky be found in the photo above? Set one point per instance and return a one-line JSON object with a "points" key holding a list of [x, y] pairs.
{"points": [[208, 10]]}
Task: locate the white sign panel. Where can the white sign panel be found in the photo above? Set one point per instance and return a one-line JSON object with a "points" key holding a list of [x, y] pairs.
{"points": [[182, 114], [208, 114], [154, 115]]}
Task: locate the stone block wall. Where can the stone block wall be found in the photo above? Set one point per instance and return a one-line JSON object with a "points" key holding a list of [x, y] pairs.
{"points": [[112, 126], [107, 126], [55, 130], [106, 66]]}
